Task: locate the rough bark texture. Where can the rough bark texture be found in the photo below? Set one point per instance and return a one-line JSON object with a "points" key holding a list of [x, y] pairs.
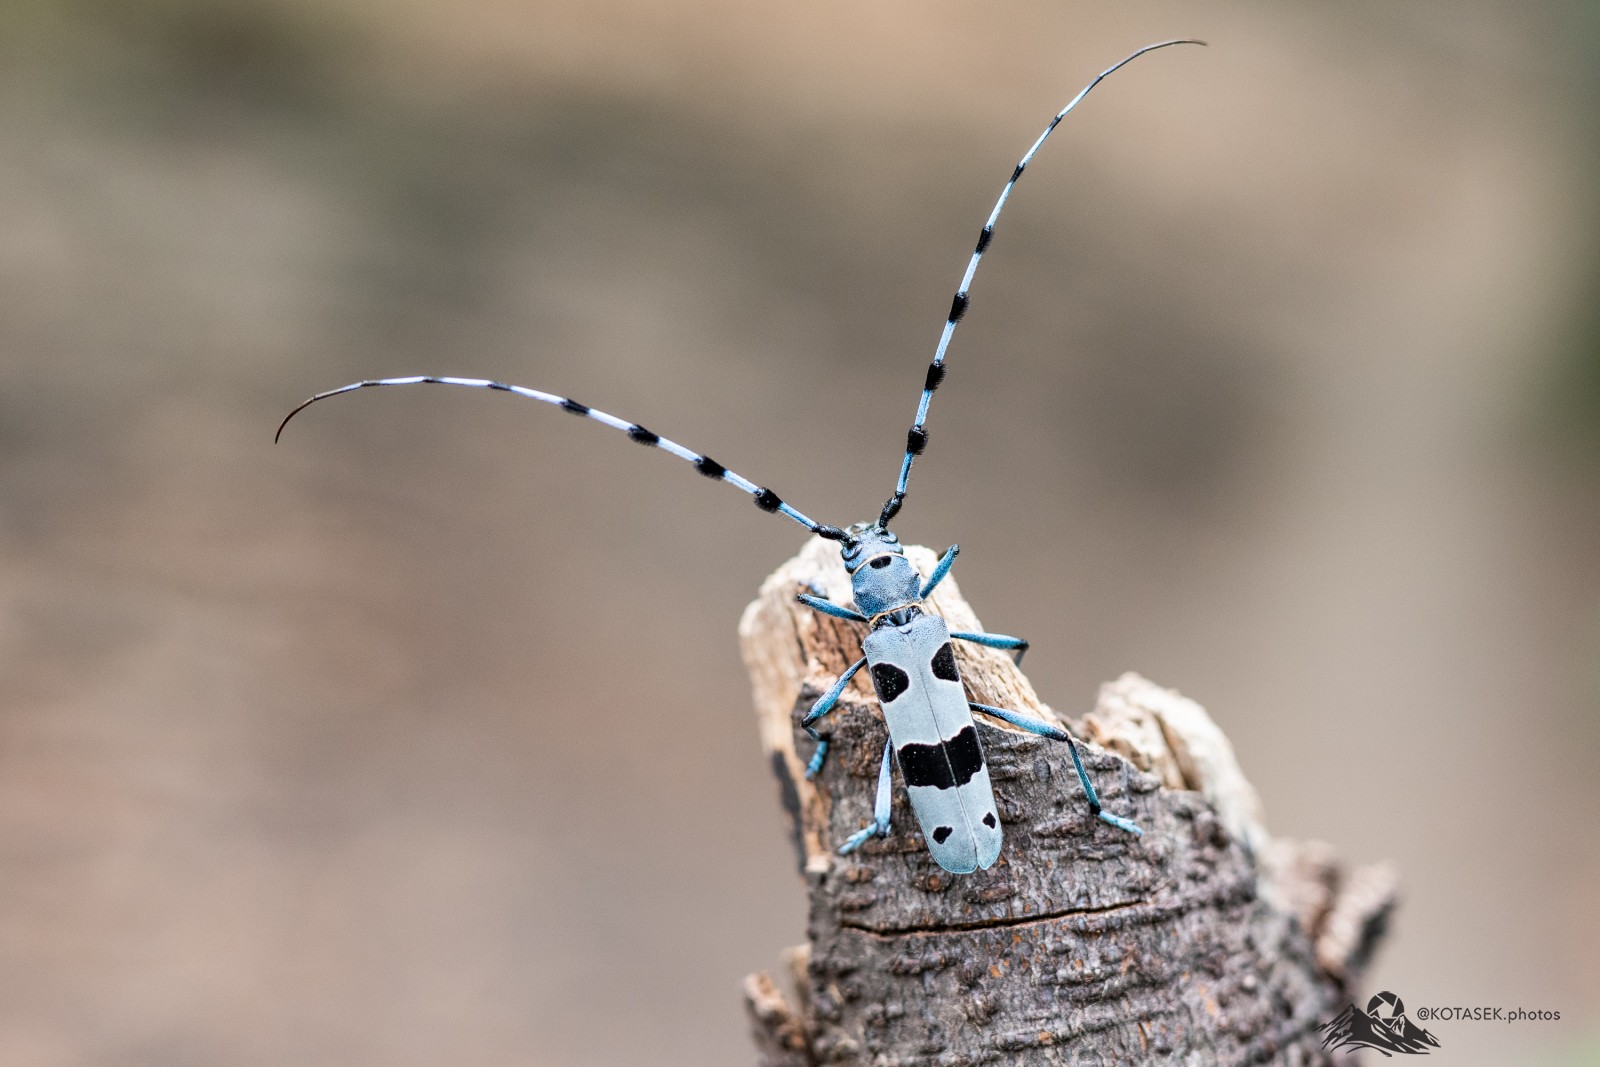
{"points": [[1204, 942]]}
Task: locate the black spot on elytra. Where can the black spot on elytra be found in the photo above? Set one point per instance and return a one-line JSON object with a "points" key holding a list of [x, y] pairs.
{"points": [[767, 500], [916, 441], [944, 663], [966, 754], [942, 766], [640, 435], [988, 820], [574, 407], [925, 765], [941, 834], [890, 681]]}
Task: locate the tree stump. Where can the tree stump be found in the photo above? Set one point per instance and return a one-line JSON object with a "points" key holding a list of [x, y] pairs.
{"points": [[1204, 942]]}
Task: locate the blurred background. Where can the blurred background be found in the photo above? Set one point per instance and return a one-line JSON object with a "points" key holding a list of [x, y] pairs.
{"points": [[423, 737]]}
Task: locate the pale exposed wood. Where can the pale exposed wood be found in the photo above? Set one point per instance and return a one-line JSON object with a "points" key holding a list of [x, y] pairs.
{"points": [[1203, 942]]}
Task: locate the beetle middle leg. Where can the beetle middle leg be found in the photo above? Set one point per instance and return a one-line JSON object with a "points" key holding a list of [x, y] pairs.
{"points": [[1019, 645], [824, 705], [1056, 733]]}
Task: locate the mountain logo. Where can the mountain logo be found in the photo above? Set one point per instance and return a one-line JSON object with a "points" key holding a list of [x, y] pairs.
{"points": [[1383, 1026]]}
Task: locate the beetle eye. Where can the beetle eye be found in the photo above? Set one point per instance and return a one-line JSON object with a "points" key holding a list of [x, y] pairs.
{"points": [[879, 562]]}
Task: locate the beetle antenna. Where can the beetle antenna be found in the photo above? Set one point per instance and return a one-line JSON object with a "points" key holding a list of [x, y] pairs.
{"points": [[765, 498], [917, 438]]}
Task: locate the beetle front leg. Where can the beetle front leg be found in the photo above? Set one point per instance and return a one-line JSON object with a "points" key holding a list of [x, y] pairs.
{"points": [[941, 569], [817, 600]]}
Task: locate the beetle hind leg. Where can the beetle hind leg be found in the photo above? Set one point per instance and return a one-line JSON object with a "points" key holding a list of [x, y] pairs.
{"points": [[879, 827], [1056, 733]]}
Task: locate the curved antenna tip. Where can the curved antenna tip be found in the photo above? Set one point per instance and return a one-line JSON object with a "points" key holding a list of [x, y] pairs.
{"points": [[312, 400], [301, 407], [917, 439]]}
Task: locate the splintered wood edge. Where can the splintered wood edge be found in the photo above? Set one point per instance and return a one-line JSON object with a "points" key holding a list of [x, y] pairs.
{"points": [[776, 1023], [1163, 732]]}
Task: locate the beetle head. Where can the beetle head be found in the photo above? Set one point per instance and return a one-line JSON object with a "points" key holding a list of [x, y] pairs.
{"points": [[881, 578]]}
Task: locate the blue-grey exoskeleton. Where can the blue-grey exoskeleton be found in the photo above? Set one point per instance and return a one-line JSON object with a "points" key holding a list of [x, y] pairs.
{"points": [[907, 653]]}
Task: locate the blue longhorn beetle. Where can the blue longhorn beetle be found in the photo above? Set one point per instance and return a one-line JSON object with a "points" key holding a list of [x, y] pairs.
{"points": [[907, 650]]}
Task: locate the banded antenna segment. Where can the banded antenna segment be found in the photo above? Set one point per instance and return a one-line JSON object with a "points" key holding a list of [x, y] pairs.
{"points": [[917, 437], [765, 498]]}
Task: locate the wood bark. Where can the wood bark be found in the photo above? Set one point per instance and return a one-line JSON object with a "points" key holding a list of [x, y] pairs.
{"points": [[1204, 942]]}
